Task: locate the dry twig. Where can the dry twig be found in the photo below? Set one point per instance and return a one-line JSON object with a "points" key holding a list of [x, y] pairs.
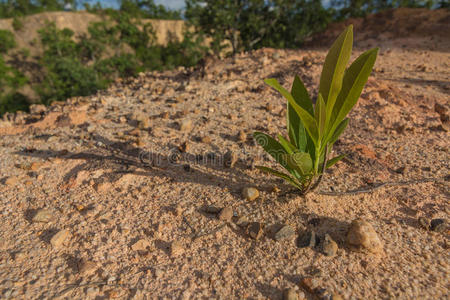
{"points": [[378, 186]]}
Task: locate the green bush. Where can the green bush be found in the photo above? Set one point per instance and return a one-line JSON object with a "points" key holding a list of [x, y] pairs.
{"points": [[17, 23], [147, 9], [57, 43], [124, 65], [252, 24], [18, 8], [121, 47], [7, 41], [13, 102], [11, 80], [67, 77]]}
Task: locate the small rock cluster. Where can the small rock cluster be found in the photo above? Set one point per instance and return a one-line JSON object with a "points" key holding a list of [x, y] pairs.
{"points": [[436, 225]]}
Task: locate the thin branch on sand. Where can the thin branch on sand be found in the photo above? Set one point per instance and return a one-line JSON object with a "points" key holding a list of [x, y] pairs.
{"points": [[378, 186]]}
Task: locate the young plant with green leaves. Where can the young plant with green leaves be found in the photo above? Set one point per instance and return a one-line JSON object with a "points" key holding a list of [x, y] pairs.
{"points": [[314, 128]]}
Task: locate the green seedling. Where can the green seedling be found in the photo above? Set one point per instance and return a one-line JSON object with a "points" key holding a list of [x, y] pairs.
{"points": [[314, 128]]}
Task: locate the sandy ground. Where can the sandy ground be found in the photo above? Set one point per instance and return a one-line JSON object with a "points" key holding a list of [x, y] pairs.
{"points": [[113, 195]]}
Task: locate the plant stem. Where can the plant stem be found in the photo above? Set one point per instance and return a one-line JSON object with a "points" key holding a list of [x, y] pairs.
{"points": [[317, 161], [316, 184]]}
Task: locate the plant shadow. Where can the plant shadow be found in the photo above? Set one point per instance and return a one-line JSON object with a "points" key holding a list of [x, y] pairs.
{"points": [[122, 158]]}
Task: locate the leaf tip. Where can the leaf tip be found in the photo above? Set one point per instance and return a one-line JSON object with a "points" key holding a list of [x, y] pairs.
{"points": [[350, 28]]}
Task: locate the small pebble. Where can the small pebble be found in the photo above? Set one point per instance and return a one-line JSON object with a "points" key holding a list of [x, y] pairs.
{"points": [[229, 159], [284, 233], [307, 239], [438, 225], [206, 140], [37, 108], [111, 279], [290, 294], [144, 124], [12, 181], [242, 136], [176, 249], [440, 109], [330, 247], [226, 214], [43, 216], [186, 125], [158, 272], [141, 245], [275, 189], [184, 147], [323, 294], [424, 223], [211, 209], [242, 221], [87, 267], [269, 107], [250, 193], [60, 238], [309, 284], [255, 230], [335, 296], [362, 236]]}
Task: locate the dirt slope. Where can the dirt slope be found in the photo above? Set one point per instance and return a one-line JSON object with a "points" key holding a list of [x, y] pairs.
{"points": [[79, 23], [413, 27], [104, 197]]}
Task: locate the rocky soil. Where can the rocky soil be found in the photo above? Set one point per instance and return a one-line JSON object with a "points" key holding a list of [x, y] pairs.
{"points": [[148, 190]]}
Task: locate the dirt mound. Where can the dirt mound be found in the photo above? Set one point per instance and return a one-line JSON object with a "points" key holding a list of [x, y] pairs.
{"points": [[117, 195], [78, 22], [137, 192], [429, 29]]}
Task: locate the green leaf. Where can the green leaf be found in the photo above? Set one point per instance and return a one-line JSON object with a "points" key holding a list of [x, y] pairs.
{"points": [[296, 130], [274, 148], [310, 148], [334, 160], [320, 114], [339, 130], [305, 116], [301, 162], [287, 145], [354, 80], [334, 68], [301, 95], [281, 175]]}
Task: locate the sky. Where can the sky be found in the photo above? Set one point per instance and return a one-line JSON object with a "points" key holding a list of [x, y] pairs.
{"points": [[172, 4]]}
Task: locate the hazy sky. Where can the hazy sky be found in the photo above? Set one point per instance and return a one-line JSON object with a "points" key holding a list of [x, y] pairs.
{"points": [[173, 4]]}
